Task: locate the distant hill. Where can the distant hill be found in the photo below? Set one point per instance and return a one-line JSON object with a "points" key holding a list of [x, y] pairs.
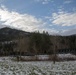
{"points": [[7, 34]]}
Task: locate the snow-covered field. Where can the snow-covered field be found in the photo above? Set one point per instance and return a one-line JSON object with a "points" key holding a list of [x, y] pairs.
{"points": [[68, 55], [8, 67]]}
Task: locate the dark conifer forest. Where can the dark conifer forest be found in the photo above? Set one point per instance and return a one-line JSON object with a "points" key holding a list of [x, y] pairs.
{"points": [[17, 42]]}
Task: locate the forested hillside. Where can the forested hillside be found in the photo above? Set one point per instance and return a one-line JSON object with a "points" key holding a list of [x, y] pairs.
{"points": [[14, 41]]}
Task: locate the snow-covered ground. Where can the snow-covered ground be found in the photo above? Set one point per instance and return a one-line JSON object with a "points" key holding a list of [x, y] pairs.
{"points": [[9, 67], [47, 57], [68, 55]]}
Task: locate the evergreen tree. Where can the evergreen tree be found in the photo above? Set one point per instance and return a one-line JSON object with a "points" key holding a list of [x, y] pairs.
{"points": [[40, 43]]}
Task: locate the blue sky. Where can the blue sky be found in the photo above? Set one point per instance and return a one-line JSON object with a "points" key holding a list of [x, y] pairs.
{"points": [[54, 16]]}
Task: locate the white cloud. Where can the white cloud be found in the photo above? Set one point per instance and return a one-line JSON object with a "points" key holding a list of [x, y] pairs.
{"points": [[51, 31], [64, 19], [67, 1], [68, 32], [30, 23], [2, 26], [21, 21], [43, 1]]}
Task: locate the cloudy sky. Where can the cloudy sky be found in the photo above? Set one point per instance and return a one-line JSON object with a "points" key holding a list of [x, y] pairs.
{"points": [[54, 16]]}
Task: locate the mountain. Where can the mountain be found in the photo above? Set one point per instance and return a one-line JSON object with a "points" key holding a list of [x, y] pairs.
{"points": [[7, 34]]}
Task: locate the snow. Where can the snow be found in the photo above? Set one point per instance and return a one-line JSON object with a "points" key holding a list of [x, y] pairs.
{"points": [[9, 67], [38, 56], [46, 57], [5, 58], [68, 55], [43, 57]]}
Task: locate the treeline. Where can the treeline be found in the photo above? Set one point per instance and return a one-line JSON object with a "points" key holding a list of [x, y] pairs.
{"points": [[38, 43], [7, 48]]}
